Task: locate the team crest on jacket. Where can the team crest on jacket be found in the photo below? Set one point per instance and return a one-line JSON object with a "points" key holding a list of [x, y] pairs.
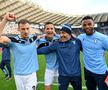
{"points": [[73, 42]]}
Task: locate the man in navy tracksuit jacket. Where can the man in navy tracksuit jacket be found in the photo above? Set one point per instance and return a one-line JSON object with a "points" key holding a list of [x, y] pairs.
{"points": [[68, 56]]}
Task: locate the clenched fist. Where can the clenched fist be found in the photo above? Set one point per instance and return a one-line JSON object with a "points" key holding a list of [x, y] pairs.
{"points": [[9, 16]]}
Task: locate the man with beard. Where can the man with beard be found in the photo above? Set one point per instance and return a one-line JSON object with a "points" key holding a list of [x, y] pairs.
{"points": [[51, 72], [94, 45], [24, 53], [67, 50]]}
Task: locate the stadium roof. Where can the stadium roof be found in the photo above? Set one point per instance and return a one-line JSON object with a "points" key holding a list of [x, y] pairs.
{"points": [[34, 13]]}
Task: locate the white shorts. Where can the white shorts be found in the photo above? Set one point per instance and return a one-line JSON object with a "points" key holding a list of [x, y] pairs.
{"points": [[26, 82], [50, 76]]}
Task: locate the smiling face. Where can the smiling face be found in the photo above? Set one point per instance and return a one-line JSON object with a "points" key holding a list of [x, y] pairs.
{"points": [[64, 36], [49, 31], [88, 25]]}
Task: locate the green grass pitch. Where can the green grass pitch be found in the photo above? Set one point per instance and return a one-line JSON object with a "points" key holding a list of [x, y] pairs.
{"points": [[10, 85]]}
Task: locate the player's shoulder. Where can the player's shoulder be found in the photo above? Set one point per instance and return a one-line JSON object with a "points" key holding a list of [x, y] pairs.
{"points": [[81, 35], [41, 40], [100, 34], [75, 39], [14, 38]]}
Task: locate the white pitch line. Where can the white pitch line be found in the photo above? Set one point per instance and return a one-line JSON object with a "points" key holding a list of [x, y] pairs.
{"points": [[55, 84]]}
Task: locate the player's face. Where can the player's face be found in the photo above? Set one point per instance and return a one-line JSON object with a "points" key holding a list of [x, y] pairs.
{"points": [[49, 30], [64, 36], [24, 30], [88, 26]]}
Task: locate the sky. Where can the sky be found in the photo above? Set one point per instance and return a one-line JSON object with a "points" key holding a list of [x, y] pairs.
{"points": [[74, 7]]}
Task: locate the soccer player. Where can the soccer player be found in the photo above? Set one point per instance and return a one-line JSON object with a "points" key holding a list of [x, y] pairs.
{"points": [[51, 72], [24, 53], [6, 62], [68, 55], [94, 45]]}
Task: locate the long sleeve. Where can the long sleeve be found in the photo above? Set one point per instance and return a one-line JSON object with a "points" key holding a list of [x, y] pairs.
{"points": [[47, 49]]}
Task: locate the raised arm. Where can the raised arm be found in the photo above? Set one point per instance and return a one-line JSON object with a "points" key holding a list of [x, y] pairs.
{"points": [[7, 17]]}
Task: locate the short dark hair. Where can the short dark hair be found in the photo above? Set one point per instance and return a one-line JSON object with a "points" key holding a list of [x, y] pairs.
{"points": [[48, 23], [23, 21], [87, 17]]}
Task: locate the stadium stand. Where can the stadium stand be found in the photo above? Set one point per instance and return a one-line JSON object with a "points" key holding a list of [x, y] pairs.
{"points": [[24, 9], [12, 29]]}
